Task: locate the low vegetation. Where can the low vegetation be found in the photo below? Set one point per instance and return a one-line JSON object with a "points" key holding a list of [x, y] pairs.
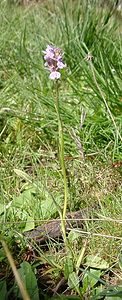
{"points": [[88, 264]]}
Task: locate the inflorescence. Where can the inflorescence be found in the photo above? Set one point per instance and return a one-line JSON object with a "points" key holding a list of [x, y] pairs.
{"points": [[54, 61]]}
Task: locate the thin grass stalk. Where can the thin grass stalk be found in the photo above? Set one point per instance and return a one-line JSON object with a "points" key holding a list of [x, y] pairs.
{"points": [[91, 234], [16, 273], [80, 258], [104, 100]]}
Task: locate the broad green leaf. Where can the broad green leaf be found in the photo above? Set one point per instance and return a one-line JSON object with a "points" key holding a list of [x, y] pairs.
{"points": [[48, 207], [96, 262], [29, 280], [68, 269], [73, 282], [90, 278], [22, 175], [22, 205], [3, 290], [24, 198], [29, 224], [73, 235]]}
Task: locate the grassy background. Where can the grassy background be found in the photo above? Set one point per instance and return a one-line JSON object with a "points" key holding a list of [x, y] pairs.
{"points": [[28, 122]]}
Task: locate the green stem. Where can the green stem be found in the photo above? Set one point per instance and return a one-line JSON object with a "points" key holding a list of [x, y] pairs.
{"points": [[62, 161], [19, 281]]}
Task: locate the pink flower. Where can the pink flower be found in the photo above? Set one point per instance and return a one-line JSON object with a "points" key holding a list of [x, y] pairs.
{"points": [[49, 53], [54, 75], [61, 65], [54, 61]]}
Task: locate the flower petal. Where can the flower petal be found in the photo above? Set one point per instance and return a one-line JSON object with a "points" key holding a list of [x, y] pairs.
{"points": [[61, 65], [54, 75]]}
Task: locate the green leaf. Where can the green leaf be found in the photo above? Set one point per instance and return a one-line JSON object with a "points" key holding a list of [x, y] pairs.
{"points": [[3, 290], [48, 207], [68, 269], [27, 198], [96, 262], [115, 293], [120, 262], [29, 224], [24, 198], [73, 282], [29, 280], [73, 235], [90, 278], [2, 255], [113, 298], [22, 175], [2, 208]]}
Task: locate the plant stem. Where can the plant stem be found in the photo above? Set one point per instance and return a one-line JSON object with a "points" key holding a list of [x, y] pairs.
{"points": [[62, 161]]}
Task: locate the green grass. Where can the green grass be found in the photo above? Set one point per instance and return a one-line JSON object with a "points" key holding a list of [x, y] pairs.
{"points": [[30, 173]]}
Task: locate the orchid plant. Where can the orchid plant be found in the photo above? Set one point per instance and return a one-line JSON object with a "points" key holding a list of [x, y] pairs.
{"points": [[53, 57]]}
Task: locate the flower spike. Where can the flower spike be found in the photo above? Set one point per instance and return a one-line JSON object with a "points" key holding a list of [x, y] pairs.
{"points": [[54, 61]]}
